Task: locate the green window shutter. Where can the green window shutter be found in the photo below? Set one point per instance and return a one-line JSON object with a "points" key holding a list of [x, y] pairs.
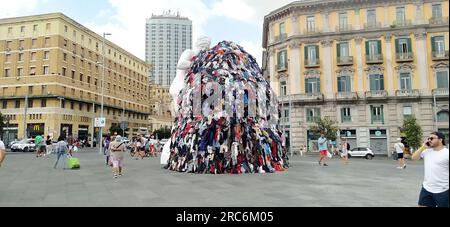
{"points": [[278, 58], [433, 44], [306, 52], [371, 113], [381, 82], [379, 47], [367, 48], [382, 115], [397, 46], [338, 47], [317, 52], [349, 84], [318, 85], [342, 115], [339, 84], [410, 50], [372, 82], [306, 86]]}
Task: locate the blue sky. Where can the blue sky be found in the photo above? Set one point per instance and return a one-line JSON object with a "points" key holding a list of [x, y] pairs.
{"points": [[235, 20]]}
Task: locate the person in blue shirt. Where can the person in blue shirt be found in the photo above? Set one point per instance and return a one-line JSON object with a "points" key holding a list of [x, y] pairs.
{"points": [[323, 148]]}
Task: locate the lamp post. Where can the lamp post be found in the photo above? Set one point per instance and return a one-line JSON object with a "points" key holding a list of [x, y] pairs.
{"points": [[103, 83]]}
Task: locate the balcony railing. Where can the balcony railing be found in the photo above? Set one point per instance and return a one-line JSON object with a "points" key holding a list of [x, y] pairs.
{"points": [[348, 60], [312, 62], [404, 57], [371, 26], [376, 94], [344, 28], [408, 93], [402, 23], [312, 119], [440, 55], [441, 92], [311, 31], [347, 95], [439, 20], [374, 59], [280, 38], [346, 119], [281, 68]]}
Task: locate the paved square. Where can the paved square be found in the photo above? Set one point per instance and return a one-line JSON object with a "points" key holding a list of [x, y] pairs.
{"points": [[28, 181]]}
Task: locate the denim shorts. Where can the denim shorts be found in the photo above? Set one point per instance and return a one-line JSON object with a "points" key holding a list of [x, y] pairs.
{"points": [[429, 199]]}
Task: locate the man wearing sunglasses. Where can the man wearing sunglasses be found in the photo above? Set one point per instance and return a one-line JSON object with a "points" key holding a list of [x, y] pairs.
{"points": [[436, 160]]}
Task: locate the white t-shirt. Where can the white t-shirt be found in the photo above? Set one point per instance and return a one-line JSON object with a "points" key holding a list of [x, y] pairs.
{"points": [[399, 148], [436, 170], [2, 145]]}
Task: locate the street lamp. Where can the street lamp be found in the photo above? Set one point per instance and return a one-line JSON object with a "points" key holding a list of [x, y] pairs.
{"points": [[103, 82]]}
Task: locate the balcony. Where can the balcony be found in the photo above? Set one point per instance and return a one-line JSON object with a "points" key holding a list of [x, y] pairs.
{"points": [[345, 96], [348, 60], [404, 57], [312, 97], [280, 38], [282, 68], [440, 55], [376, 94], [311, 31], [312, 119], [344, 28], [372, 26], [407, 93], [374, 59], [441, 92], [312, 63], [438, 20], [401, 23]]}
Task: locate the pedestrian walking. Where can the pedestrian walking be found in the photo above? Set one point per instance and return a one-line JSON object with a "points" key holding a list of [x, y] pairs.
{"points": [[345, 149], [49, 146], [2, 152], [323, 148], [435, 187], [117, 149], [106, 150], [400, 149], [62, 148]]}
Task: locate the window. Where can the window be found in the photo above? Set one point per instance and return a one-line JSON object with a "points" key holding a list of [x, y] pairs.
{"points": [[400, 15], [346, 115], [407, 112], [21, 43], [33, 56], [21, 57], [73, 75], [43, 103], [343, 50], [63, 104], [438, 46], [442, 116], [35, 27], [80, 106], [45, 70], [282, 28], [81, 77], [282, 59], [5, 104], [311, 54], [437, 11], [442, 79], [30, 90], [310, 24], [7, 58], [377, 114], [312, 85], [47, 41], [32, 71], [283, 88], [312, 114], [344, 84], [376, 82], [22, 28], [30, 103], [48, 27], [7, 72], [19, 71], [72, 105], [8, 44], [405, 81], [17, 104], [65, 28], [285, 117], [373, 48], [371, 18], [10, 29], [64, 70], [343, 21], [33, 42], [46, 55]]}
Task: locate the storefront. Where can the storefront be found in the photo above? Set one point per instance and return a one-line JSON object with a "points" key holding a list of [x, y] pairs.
{"points": [[10, 133], [379, 142], [34, 130], [83, 132], [66, 130], [313, 144]]}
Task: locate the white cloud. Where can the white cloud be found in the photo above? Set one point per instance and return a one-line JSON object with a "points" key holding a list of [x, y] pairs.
{"points": [[253, 48], [16, 8]]}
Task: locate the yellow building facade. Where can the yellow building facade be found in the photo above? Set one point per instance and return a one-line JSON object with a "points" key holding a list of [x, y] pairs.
{"points": [[160, 104], [51, 71], [365, 64]]}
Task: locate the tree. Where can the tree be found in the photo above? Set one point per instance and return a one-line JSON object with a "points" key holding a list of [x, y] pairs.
{"points": [[327, 127], [412, 132], [2, 124], [163, 133]]}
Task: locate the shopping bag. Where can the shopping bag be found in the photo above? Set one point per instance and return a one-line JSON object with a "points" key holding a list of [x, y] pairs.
{"points": [[73, 163], [329, 155]]}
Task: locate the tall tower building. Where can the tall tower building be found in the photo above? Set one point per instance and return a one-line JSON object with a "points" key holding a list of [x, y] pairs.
{"points": [[167, 36]]}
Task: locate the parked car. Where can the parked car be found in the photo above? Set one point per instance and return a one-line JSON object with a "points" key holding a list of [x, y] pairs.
{"points": [[12, 143], [363, 152], [26, 145]]}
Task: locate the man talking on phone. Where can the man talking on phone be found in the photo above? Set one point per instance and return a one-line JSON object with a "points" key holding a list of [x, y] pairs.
{"points": [[435, 186]]}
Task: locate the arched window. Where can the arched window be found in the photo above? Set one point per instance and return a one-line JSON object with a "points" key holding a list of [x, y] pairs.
{"points": [[442, 116]]}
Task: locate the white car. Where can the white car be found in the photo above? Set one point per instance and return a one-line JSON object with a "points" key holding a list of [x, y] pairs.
{"points": [[26, 145], [363, 152]]}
